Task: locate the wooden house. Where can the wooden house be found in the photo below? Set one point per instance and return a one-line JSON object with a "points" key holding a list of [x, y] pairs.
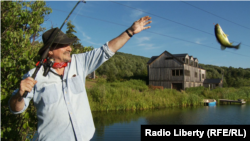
{"points": [[175, 71]]}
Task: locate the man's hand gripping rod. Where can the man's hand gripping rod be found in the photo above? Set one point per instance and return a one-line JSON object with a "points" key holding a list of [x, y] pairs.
{"points": [[47, 50]]}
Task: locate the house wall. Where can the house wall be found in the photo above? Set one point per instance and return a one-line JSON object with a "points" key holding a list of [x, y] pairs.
{"points": [[160, 71], [192, 71], [192, 81]]}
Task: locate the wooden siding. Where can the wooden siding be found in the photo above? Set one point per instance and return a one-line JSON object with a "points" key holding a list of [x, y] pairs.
{"points": [[192, 77], [203, 72], [164, 74], [192, 84], [162, 62], [160, 72]]}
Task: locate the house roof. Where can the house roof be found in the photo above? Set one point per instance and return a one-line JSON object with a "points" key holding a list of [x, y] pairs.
{"points": [[212, 81], [153, 58], [180, 55]]}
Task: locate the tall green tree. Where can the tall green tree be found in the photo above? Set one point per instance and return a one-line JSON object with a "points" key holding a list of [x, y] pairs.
{"points": [[20, 25], [77, 46], [70, 33]]}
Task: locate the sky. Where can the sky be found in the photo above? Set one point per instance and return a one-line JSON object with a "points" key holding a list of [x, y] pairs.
{"points": [[177, 27]]}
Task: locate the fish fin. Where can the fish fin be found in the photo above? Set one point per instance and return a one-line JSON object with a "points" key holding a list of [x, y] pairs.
{"points": [[222, 47], [225, 35]]}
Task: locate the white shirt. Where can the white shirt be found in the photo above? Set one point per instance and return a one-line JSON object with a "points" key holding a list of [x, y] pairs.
{"points": [[63, 109]]}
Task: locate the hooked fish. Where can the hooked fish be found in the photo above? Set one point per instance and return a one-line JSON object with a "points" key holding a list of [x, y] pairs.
{"points": [[222, 38]]}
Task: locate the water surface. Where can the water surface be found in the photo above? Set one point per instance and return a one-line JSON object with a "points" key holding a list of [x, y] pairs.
{"points": [[126, 125]]}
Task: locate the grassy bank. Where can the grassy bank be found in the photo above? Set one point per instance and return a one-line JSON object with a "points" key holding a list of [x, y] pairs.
{"points": [[135, 95]]}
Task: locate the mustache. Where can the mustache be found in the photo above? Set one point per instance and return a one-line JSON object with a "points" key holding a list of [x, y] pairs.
{"points": [[66, 52]]}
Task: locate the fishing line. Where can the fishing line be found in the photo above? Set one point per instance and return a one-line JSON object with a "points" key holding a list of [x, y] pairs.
{"points": [[77, 13], [158, 34], [215, 15], [174, 21]]}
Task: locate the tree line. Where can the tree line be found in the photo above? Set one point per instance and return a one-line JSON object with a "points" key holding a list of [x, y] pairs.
{"points": [[126, 66], [232, 77]]}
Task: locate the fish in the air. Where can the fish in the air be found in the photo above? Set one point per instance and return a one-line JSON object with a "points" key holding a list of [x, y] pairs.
{"points": [[222, 38]]}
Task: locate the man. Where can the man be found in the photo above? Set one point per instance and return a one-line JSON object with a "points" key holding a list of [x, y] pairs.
{"points": [[60, 98]]}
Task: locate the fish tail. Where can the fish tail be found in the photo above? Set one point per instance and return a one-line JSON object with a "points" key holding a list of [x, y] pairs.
{"points": [[238, 46]]}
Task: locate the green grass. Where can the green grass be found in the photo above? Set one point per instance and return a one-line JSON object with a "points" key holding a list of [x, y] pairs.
{"points": [[135, 95]]}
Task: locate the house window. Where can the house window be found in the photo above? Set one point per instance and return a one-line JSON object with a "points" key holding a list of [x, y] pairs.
{"points": [[186, 61], [195, 74], [187, 72], [191, 62], [203, 76], [177, 72], [181, 72], [173, 72], [195, 64]]}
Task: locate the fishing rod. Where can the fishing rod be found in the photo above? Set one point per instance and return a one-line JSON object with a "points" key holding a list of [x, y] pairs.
{"points": [[45, 54]]}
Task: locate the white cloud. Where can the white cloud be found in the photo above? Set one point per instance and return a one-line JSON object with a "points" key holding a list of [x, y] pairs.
{"points": [[143, 42], [136, 14], [148, 46], [142, 39], [85, 38], [200, 40]]}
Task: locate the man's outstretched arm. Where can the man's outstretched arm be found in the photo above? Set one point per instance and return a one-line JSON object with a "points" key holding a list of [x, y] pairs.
{"points": [[118, 42]]}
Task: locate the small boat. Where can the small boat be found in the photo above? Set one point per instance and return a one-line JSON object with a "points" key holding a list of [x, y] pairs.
{"points": [[209, 102]]}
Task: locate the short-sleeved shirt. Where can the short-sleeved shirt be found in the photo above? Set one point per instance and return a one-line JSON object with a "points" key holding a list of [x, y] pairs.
{"points": [[63, 110]]}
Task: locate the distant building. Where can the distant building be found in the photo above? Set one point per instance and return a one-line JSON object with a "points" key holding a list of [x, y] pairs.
{"points": [[176, 71], [212, 83]]}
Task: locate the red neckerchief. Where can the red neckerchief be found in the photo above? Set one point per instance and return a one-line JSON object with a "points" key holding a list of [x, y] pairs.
{"points": [[55, 65]]}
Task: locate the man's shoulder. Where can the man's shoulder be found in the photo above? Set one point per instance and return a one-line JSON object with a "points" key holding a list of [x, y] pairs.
{"points": [[30, 72]]}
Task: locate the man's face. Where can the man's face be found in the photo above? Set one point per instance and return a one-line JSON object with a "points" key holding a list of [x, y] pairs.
{"points": [[61, 53]]}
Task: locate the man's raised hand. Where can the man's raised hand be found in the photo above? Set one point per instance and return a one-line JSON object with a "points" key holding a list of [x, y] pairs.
{"points": [[140, 25]]}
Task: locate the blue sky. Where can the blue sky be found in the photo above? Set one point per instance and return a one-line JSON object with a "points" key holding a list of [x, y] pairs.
{"points": [[176, 27]]}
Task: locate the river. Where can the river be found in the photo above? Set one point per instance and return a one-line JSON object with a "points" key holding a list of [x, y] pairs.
{"points": [[126, 125]]}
